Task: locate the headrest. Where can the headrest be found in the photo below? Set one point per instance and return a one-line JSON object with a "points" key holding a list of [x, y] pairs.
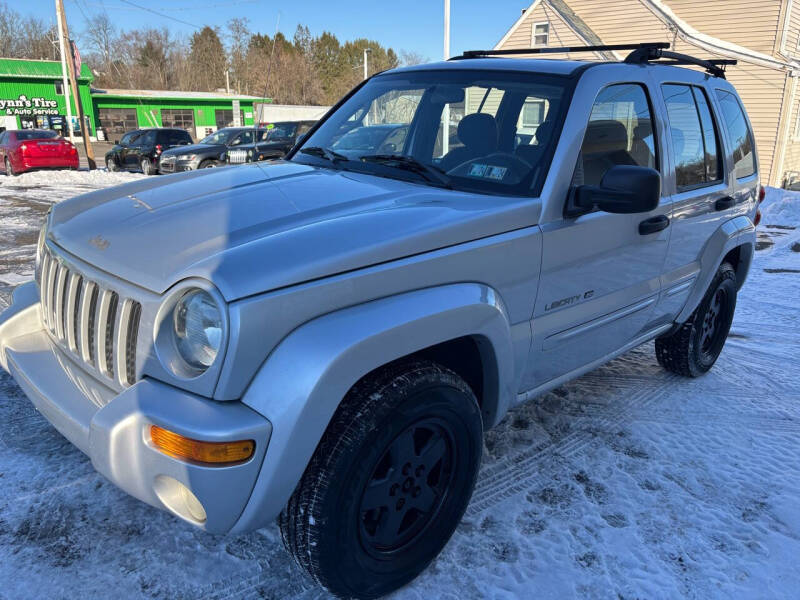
{"points": [[605, 136], [478, 130], [544, 131]]}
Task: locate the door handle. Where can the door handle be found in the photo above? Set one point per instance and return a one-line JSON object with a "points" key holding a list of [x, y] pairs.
{"points": [[724, 203], [653, 225]]}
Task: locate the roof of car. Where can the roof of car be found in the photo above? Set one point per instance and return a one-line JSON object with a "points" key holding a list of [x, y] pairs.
{"points": [[536, 65]]}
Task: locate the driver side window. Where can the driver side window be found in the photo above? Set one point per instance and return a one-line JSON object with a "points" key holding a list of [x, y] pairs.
{"points": [[620, 132]]}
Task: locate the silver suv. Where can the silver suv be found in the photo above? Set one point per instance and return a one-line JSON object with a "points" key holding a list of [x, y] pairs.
{"points": [[325, 339]]}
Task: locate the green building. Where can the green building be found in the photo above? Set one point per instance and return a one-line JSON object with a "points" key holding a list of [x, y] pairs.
{"points": [[31, 96]]}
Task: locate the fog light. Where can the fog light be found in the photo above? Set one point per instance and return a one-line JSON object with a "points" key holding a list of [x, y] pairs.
{"points": [[216, 453], [179, 499]]}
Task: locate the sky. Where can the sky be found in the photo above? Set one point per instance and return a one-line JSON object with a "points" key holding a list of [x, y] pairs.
{"points": [[414, 25]]}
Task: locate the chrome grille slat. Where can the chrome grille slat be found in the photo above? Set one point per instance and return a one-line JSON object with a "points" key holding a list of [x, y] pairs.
{"points": [[69, 310], [89, 290], [43, 285], [121, 341], [48, 293], [58, 301], [102, 325], [94, 323]]}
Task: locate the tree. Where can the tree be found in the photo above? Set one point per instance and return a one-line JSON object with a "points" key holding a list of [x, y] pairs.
{"points": [[207, 60], [238, 36], [410, 58]]}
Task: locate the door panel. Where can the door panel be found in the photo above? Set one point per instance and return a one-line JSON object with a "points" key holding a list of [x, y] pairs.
{"points": [[600, 277]]}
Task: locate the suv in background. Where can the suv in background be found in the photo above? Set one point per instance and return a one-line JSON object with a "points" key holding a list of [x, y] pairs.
{"points": [[274, 141], [325, 339], [210, 151], [139, 150]]}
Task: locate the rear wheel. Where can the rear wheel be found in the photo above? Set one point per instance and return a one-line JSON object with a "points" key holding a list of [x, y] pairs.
{"points": [[147, 166], [694, 348], [389, 481], [10, 168]]}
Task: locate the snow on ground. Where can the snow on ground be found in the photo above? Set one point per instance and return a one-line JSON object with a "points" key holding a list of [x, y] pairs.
{"points": [[629, 482]]}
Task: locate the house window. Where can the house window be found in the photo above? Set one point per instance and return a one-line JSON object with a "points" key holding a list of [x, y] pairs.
{"points": [[59, 87], [541, 34]]}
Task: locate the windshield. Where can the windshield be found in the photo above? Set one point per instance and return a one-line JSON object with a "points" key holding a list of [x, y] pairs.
{"points": [[222, 136], [482, 131], [37, 134]]}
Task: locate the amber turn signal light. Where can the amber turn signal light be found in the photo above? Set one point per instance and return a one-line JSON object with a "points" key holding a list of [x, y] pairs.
{"points": [[217, 453]]}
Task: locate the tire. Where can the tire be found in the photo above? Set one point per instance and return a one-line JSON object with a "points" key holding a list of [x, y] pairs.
{"points": [[111, 165], [147, 166], [10, 168], [413, 431], [694, 348], [208, 164]]}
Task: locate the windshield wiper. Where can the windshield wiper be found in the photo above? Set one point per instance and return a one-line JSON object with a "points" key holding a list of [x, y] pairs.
{"points": [[409, 163], [325, 153]]}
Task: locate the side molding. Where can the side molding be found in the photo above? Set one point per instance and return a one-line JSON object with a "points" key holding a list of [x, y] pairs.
{"points": [[300, 386], [736, 232]]}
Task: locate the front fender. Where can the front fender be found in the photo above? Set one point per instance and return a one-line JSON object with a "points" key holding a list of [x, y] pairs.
{"points": [[739, 231], [300, 386]]}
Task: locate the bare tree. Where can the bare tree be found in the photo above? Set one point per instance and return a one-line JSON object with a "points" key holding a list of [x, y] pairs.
{"points": [[409, 58]]}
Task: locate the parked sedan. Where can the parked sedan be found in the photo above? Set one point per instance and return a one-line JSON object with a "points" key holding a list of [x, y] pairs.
{"points": [[27, 149], [274, 141], [208, 152], [140, 150]]}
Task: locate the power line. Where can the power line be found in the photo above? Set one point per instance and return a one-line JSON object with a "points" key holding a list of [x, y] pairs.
{"points": [[162, 15]]}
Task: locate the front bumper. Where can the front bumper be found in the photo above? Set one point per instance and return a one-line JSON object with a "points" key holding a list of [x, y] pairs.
{"points": [[113, 429], [177, 166]]}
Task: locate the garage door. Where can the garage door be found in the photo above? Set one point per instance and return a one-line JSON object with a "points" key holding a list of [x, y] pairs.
{"points": [[118, 120], [181, 118]]}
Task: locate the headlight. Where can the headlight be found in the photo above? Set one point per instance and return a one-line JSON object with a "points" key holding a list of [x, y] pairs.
{"points": [[197, 326], [187, 157], [249, 153]]}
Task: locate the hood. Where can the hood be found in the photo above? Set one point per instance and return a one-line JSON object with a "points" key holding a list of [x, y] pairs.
{"points": [[195, 148], [260, 227]]}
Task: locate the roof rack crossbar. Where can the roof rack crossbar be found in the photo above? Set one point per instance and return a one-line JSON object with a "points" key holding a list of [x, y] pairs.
{"points": [[714, 66], [554, 50]]}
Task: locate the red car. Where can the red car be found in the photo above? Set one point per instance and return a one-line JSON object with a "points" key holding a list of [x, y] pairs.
{"points": [[26, 149]]}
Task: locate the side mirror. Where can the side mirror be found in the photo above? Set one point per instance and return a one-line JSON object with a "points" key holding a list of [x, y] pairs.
{"points": [[624, 189]]}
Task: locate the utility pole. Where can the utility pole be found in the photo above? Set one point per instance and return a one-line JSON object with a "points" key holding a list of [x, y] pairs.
{"points": [[73, 76], [227, 81], [366, 53], [64, 78], [446, 111]]}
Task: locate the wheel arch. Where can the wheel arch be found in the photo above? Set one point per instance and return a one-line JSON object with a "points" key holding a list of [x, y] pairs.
{"points": [[733, 242], [303, 381]]}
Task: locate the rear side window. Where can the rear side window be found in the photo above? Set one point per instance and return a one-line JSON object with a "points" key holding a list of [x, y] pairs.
{"points": [[620, 132], [695, 145], [744, 159]]}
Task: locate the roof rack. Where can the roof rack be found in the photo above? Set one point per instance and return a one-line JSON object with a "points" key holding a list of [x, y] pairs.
{"points": [[554, 50], [641, 53], [713, 66]]}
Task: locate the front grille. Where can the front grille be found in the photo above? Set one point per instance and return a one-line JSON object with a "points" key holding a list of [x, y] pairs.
{"points": [[94, 323], [237, 156], [167, 163]]}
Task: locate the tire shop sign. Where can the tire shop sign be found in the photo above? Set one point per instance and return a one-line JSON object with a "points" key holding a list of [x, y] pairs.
{"points": [[28, 106]]}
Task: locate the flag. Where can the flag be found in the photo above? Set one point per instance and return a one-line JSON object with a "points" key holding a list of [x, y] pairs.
{"points": [[76, 58]]}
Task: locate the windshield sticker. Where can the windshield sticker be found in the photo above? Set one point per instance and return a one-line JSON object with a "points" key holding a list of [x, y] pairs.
{"points": [[478, 170], [496, 173], [487, 171]]}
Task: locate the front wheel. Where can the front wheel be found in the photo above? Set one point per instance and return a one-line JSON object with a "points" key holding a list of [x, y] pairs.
{"points": [[111, 165], [389, 481], [694, 348], [208, 164]]}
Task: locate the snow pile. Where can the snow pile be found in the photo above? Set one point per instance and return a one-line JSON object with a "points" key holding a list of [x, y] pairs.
{"points": [[781, 207]]}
